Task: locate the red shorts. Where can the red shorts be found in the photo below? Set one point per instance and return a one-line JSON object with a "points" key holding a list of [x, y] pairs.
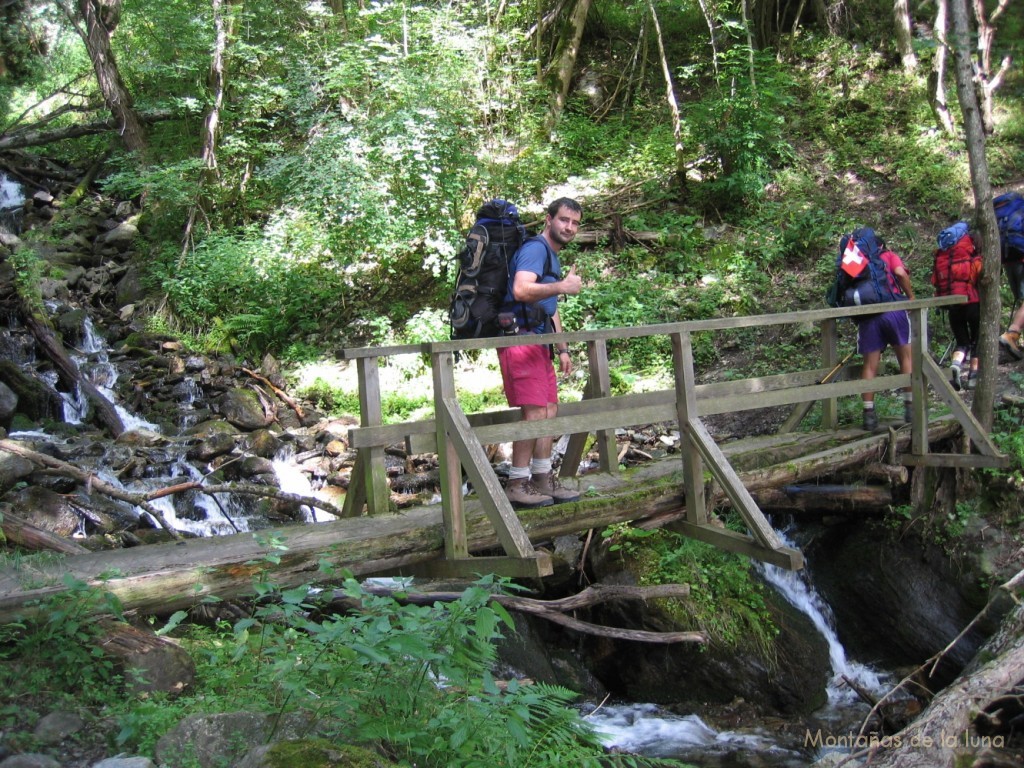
{"points": [[528, 375]]}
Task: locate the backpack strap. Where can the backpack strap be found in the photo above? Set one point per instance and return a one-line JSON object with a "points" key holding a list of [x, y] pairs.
{"points": [[528, 314]]}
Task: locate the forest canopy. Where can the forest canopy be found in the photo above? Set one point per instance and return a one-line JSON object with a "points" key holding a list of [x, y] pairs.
{"points": [[308, 169]]}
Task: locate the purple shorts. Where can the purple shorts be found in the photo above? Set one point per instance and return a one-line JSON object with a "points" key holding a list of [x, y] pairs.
{"points": [[528, 375], [876, 332]]}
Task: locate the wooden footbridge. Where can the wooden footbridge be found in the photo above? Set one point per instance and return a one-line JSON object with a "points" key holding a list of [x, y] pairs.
{"points": [[459, 438]]}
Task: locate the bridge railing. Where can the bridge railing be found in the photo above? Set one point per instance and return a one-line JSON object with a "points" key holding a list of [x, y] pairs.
{"points": [[458, 438]]}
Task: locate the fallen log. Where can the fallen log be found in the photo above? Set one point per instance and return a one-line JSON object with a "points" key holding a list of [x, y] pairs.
{"points": [[36, 138], [31, 537], [162, 578], [555, 610], [822, 499]]}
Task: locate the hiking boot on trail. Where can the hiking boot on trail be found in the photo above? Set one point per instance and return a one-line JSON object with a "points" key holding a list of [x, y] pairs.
{"points": [[972, 380], [954, 376], [522, 494], [870, 420], [548, 483], [1010, 341]]}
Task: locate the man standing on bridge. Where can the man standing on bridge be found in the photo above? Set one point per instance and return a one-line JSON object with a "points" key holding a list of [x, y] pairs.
{"points": [[535, 283]]}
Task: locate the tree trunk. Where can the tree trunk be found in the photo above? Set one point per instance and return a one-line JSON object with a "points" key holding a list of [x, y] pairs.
{"points": [[942, 735], [937, 77], [565, 62], [115, 93], [988, 285], [904, 34], [673, 105]]}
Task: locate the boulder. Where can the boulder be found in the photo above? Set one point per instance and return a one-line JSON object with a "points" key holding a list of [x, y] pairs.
{"points": [[213, 741], [8, 404], [242, 408]]}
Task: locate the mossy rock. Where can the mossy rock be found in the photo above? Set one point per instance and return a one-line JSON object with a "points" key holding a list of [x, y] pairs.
{"points": [[313, 753]]}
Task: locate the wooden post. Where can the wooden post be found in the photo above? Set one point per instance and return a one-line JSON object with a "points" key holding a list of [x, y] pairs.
{"points": [[369, 479], [452, 513], [598, 385], [918, 388], [686, 407], [829, 359]]}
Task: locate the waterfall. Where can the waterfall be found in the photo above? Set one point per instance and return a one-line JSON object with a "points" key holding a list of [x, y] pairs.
{"points": [[796, 587], [11, 205]]}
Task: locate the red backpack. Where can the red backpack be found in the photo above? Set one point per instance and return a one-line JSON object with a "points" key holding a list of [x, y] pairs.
{"points": [[954, 271]]}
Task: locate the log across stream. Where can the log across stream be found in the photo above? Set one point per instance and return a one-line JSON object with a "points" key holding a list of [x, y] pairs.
{"points": [[162, 578]]}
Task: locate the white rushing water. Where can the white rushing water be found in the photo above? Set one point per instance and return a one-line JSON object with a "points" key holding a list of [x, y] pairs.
{"points": [[796, 587], [11, 201]]}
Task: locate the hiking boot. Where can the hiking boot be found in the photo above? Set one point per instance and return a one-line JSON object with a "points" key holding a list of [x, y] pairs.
{"points": [[1010, 341], [523, 495], [908, 411], [972, 380], [870, 420], [548, 483], [954, 377]]}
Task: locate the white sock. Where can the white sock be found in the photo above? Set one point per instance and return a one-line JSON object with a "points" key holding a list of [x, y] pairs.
{"points": [[540, 467], [518, 473]]}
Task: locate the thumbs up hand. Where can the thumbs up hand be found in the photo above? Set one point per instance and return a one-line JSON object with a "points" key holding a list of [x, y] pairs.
{"points": [[571, 283]]}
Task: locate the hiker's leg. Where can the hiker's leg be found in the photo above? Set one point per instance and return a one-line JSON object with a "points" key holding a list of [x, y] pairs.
{"points": [[870, 371]]}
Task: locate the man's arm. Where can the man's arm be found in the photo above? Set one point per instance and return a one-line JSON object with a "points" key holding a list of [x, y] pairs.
{"points": [[527, 288]]}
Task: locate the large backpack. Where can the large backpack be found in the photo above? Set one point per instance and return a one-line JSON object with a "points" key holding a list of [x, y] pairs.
{"points": [[483, 275], [1009, 209], [953, 268], [862, 276]]}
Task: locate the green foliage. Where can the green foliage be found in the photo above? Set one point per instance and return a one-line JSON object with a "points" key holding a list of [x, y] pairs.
{"points": [[725, 601], [62, 640], [28, 272], [414, 679], [740, 124]]}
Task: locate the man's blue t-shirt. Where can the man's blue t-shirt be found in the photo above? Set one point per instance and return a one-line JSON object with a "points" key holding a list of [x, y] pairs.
{"points": [[535, 256]]}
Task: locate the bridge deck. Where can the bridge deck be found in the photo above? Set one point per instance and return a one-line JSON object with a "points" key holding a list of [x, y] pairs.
{"points": [[458, 438]]}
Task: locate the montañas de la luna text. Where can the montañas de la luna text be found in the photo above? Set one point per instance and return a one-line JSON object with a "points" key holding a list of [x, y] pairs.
{"points": [[858, 741]]}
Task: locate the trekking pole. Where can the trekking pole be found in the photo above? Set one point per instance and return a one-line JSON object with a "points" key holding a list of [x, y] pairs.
{"points": [[949, 348], [824, 379], [802, 409]]}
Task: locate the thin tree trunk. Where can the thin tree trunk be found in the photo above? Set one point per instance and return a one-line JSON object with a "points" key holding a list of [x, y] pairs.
{"points": [[989, 82], [215, 80], [974, 133], [673, 105], [565, 63], [115, 93], [710, 21], [937, 78], [904, 34]]}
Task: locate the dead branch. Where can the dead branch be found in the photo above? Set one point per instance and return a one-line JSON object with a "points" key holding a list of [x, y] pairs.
{"points": [[555, 610], [92, 483], [28, 536], [277, 391]]}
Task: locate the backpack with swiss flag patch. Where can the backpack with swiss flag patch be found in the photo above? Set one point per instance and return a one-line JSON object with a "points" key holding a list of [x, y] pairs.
{"points": [[862, 276], [956, 264]]}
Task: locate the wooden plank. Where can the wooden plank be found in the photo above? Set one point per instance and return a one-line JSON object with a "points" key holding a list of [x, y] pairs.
{"points": [[731, 541], [918, 388], [972, 428], [355, 494], [969, 460], [496, 506], [733, 486], [535, 567], [592, 414]]}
